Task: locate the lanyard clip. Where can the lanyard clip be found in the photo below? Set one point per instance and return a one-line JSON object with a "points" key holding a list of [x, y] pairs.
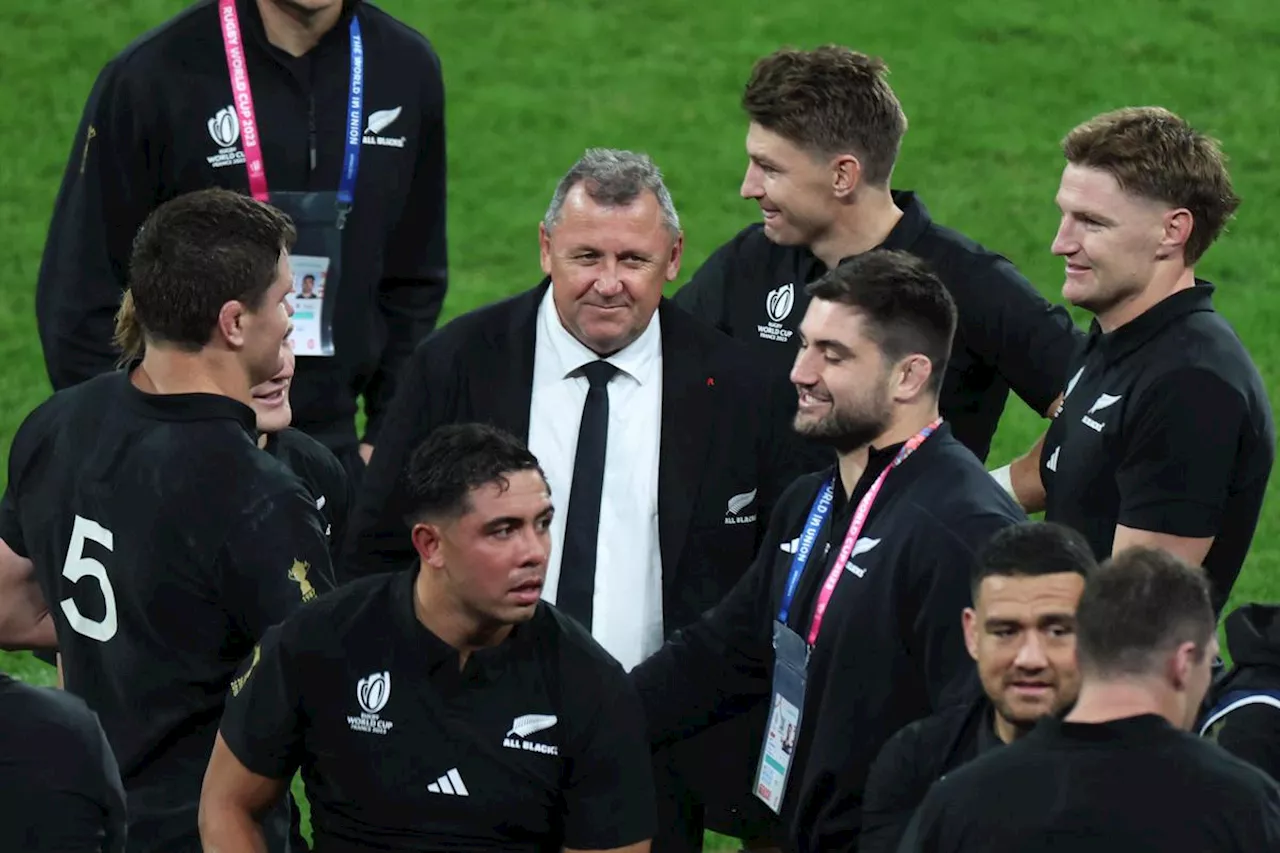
{"points": [[344, 208]]}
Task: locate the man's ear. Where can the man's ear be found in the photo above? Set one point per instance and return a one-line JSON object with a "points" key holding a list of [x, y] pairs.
{"points": [[846, 175], [428, 541], [544, 248], [969, 618], [910, 377], [232, 318], [1181, 664], [1178, 225]]}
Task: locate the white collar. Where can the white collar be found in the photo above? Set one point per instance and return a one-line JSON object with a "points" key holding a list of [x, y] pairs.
{"points": [[638, 359]]}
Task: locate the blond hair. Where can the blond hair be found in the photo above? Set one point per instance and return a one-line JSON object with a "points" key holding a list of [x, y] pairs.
{"points": [[128, 335]]}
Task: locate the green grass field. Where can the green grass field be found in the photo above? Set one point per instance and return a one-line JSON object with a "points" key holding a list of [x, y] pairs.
{"points": [[989, 88]]}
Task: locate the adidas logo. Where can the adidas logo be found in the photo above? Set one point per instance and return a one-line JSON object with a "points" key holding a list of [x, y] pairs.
{"points": [[450, 783]]}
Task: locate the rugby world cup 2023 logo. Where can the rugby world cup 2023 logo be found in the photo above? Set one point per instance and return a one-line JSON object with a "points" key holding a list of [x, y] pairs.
{"points": [[372, 692]]}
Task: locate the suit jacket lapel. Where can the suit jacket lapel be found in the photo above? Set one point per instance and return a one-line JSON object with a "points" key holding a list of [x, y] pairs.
{"points": [[688, 394], [502, 378]]}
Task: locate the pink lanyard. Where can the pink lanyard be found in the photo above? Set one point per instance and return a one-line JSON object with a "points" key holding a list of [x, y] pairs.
{"points": [[855, 529], [243, 95]]}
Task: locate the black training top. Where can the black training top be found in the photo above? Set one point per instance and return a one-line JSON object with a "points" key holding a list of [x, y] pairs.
{"points": [[536, 744], [1127, 786], [1007, 335], [893, 619], [1166, 427], [165, 543]]}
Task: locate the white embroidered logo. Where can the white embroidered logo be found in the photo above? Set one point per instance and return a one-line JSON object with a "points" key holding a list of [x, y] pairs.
{"points": [[526, 726], [737, 504], [372, 692], [1104, 401], [380, 120], [862, 546], [450, 783], [777, 306], [224, 130]]}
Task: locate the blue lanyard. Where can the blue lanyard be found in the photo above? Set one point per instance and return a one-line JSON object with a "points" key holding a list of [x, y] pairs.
{"points": [[355, 125], [817, 515]]}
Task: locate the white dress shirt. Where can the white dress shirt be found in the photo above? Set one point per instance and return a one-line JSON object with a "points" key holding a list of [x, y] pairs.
{"points": [[627, 604]]}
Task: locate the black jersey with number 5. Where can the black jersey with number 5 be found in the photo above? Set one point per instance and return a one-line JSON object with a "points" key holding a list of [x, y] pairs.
{"points": [[165, 543]]}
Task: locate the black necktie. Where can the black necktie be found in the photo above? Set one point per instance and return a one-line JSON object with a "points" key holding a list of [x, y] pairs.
{"points": [[581, 530]]}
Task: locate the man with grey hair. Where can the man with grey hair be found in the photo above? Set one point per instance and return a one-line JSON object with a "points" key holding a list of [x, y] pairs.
{"points": [[654, 429]]}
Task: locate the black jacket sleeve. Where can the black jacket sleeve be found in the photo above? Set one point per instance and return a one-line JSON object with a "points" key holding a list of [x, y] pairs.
{"points": [[377, 536], [720, 665], [107, 190], [1029, 340], [415, 273]]}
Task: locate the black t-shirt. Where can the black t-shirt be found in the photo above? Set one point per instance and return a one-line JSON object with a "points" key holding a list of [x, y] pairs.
{"points": [[165, 542], [60, 783], [1166, 427], [536, 744], [324, 476], [1007, 336], [1135, 785]]}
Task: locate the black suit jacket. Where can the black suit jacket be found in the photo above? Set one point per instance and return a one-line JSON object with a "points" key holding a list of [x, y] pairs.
{"points": [[715, 444]]}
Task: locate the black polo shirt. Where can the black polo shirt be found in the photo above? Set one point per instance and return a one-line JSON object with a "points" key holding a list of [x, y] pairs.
{"points": [[1007, 335], [165, 542], [1134, 784], [60, 783], [536, 744], [1166, 427]]}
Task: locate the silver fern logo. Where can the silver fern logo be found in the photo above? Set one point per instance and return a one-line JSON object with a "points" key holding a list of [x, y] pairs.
{"points": [[380, 120], [738, 503], [531, 724], [526, 726]]}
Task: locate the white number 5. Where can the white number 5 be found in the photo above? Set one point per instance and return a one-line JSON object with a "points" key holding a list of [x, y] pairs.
{"points": [[79, 566]]}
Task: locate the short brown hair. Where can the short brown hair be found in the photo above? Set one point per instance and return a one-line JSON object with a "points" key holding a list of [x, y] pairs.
{"points": [[1157, 155], [195, 253], [1139, 605], [906, 307], [830, 101]]}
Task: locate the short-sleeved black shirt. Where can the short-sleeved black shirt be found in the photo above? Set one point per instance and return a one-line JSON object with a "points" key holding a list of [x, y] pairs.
{"points": [[1007, 336], [60, 783], [536, 744], [1166, 427], [1127, 786], [165, 542]]}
